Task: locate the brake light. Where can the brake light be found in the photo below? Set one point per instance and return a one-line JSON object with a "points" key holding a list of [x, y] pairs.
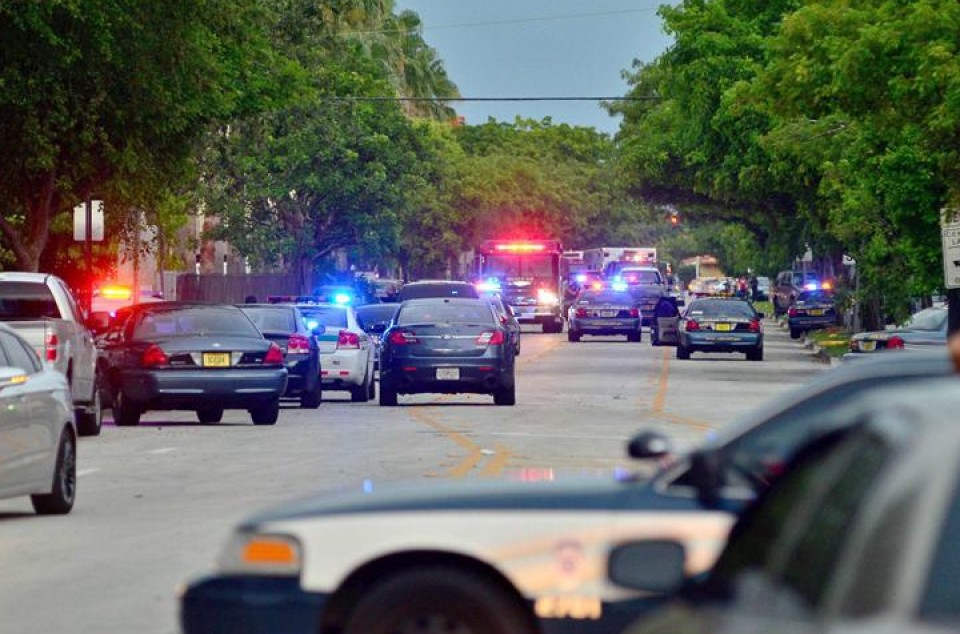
{"points": [[274, 355], [154, 357], [581, 312], [896, 343], [754, 325], [792, 312], [503, 320], [402, 338], [494, 338], [348, 340], [51, 347], [692, 325], [298, 344], [634, 312]]}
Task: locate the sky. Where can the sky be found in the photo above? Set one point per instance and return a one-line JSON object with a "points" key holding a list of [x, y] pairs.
{"points": [[540, 48]]}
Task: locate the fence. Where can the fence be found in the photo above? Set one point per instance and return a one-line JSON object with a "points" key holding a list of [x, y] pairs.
{"points": [[234, 289]]}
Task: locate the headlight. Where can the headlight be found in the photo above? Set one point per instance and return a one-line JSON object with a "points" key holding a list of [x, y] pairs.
{"points": [[263, 554], [547, 297]]}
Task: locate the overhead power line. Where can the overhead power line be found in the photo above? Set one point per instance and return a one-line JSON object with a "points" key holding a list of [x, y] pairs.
{"points": [[442, 99]]}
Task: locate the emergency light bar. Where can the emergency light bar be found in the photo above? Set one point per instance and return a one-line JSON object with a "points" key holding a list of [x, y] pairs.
{"points": [[116, 292], [520, 247]]}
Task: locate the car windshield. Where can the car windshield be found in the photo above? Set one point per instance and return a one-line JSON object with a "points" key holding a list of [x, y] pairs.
{"points": [[721, 309], [514, 266], [425, 291], [930, 319], [375, 314], [192, 321], [606, 297], [26, 300], [276, 320], [328, 316], [444, 313]]}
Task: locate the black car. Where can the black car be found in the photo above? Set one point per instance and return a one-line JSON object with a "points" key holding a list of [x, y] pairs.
{"points": [[374, 319], [507, 319], [285, 326], [812, 310], [200, 357], [449, 346], [436, 288], [605, 312]]}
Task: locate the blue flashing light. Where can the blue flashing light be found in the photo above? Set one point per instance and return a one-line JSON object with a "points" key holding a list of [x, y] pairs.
{"points": [[619, 285], [811, 286], [489, 285], [312, 324], [341, 298], [581, 278]]}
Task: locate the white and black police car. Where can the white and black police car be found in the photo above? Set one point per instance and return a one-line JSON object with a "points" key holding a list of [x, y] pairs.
{"points": [[516, 558]]}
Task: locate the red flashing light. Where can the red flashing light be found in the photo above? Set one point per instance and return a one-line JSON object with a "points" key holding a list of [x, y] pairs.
{"points": [[153, 357], [634, 312], [274, 355], [348, 340], [116, 292], [518, 247]]}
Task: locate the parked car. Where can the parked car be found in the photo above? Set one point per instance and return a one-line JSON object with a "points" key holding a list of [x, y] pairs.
{"points": [[284, 325], [859, 536], [925, 328], [200, 357], [665, 324], [788, 285], [436, 288], [719, 324], [763, 289], [450, 346], [347, 353], [43, 310], [38, 436], [811, 310], [508, 320], [518, 558]]}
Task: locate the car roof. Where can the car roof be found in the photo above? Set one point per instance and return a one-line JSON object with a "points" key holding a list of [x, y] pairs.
{"points": [[446, 300], [457, 282]]}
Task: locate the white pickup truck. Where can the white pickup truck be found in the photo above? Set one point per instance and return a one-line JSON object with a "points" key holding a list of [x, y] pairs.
{"points": [[43, 311]]}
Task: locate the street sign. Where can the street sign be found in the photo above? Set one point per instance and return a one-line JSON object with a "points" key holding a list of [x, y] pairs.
{"points": [[80, 222], [950, 230]]}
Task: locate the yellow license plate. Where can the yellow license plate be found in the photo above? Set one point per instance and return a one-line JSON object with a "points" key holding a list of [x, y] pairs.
{"points": [[216, 359], [868, 346], [723, 327], [816, 313]]}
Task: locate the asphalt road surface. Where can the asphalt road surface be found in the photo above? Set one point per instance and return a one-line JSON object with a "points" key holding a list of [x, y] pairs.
{"points": [[156, 502]]}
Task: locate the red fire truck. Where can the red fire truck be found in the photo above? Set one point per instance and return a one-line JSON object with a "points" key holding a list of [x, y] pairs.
{"points": [[527, 274]]}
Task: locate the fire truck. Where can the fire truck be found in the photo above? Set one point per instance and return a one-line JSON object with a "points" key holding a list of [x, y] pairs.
{"points": [[527, 274]]}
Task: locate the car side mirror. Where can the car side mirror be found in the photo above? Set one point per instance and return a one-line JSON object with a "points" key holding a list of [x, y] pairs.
{"points": [[99, 322], [648, 444], [656, 566], [318, 329], [12, 376]]}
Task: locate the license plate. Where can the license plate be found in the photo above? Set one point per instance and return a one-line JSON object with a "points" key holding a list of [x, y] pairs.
{"points": [[815, 313], [868, 346], [216, 359], [723, 327], [448, 374], [606, 323], [608, 313]]}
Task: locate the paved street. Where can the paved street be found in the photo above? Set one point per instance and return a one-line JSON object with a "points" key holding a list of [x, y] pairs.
{"points": [[156, 502]]}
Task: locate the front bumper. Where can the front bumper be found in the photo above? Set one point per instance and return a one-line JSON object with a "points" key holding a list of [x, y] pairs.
{"points": [[343, 369], [600, 326], [250, 605], [479, 375], [233, 388], [721, 341]]}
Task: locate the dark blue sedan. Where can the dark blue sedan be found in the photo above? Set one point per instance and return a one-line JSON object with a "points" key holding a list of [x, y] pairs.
{"points": [[721, 325]]}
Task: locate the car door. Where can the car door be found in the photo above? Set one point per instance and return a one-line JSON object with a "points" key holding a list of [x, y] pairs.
{"points": [[667, 317], [27, 439]]}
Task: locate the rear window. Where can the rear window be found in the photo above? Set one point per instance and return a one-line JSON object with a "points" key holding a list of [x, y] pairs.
{"points": [[720, 309], [375, 314], [272, 319], [606, 297], [824, 297], [184, 322], [328, 316], [423, 291], [26, 300], [446, 313]]}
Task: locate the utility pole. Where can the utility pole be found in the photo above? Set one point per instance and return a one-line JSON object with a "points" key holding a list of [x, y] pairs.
{"points": [[88, 252]]}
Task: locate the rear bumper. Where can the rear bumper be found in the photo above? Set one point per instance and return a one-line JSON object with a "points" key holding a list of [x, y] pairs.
{"points": [[477, 376], [191, 389], [808, 321], [343, 368], [610, 326], [250, 605], [299, 375], [721, 342]]}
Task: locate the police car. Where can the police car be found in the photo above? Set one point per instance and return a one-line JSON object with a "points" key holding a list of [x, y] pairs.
{"points": [[512, 559]]}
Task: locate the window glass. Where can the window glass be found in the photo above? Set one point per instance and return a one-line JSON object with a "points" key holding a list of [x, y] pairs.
{"points": [[447, 313], [823, 297], [941, 597], [423, 291], [375, 314], [72, 304], [19, 356], [516, 266], [607, 297], [640, 276], [720, 309], [4, 362], [931, 319], [26, 300], [272, 319], [193, 321], [327, 316]]}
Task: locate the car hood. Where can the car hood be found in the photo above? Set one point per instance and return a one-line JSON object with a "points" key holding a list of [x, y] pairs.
{"points": [[573, 495]]}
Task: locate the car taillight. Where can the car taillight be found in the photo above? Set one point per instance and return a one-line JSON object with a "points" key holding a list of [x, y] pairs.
{"points": [[503, 320], [274, 355], [691, 324], [792, 312], [402, 338], [494, 338], [896, 343], [348, 340], [634, 312], [51, 347], [581, 312], [153, 357], [754, 326], [298, 344]]}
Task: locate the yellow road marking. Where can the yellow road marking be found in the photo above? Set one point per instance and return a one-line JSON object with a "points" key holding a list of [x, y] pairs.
{"points": [[474, 451], [660, 398], [496, 464], [657, 409]]}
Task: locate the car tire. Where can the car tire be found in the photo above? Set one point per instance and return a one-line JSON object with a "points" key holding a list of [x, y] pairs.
{"points": [[755, 354], [125, 412], [210, 415], [361, 393], [90, 419], [683, 352], [635, 337], [266, 413], [796, 333], [310, 399], [572, 336], [388, 394], [506, 396], [438, 598], [64, 490], [372, 389], [654, 336]]}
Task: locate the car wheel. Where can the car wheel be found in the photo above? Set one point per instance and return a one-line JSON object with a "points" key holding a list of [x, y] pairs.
{"points": [[125, 412], [755, 355], [506, 396], [90, 419], [573, 336], [61, 497], [635, 337], [372, 389], [795, 333], [654, 336], [683, 352], [438, 599], [266, 413], [388, 394], [311, 399], [210, 414], [361, 393]]}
